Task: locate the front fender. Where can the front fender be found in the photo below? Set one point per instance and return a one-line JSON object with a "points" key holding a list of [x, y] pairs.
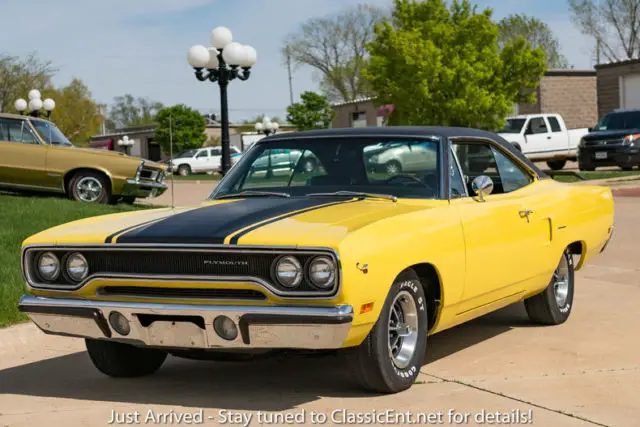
{"points": [[389, 247]]}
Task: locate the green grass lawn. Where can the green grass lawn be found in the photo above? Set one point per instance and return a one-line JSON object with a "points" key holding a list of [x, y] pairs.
{"points": [[197, 177], [21, 217], [598, 175]]}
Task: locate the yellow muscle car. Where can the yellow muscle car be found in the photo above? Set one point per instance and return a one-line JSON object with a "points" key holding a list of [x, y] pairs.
{"points": [[342, 257], [35, 155]]}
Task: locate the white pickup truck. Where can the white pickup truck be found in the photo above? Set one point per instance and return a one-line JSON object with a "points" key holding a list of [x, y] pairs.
{"points": [[543, 137]]}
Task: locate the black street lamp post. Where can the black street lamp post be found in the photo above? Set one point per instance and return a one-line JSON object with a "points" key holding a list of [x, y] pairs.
{"points": [[35, 104], [224, 61], [266, 126]]}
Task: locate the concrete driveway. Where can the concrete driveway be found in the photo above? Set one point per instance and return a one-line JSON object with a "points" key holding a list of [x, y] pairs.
{"points": [[585, 372]]}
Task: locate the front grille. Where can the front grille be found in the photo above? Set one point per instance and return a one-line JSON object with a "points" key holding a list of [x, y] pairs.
{"points": [[195, 293], [181, 264], [149, 174], [604, 142]]}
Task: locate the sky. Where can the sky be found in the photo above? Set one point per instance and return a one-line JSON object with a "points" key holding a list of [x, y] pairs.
{"points": [[140, 46]]}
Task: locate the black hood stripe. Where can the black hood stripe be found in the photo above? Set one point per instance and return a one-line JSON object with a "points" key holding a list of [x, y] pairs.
{"points": [[235, 238], [212, 224], [112, 237]]}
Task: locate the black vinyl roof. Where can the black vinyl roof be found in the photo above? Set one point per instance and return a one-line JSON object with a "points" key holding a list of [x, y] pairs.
{"points": [[406, 131]]}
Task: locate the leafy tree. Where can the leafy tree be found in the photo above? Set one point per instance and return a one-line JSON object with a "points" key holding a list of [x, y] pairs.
{"points": [[314, 112], [130, 111], [537, 33], [441, 65], [188, 128], [614, 25], [334, 46], [76, 114], [18, 76]]}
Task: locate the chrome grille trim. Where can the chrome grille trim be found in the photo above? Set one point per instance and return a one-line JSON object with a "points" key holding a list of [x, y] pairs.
{"points": [[201, 248]]}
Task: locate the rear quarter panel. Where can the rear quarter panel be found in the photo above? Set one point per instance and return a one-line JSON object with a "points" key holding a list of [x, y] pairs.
{"points": [[586, 215]]}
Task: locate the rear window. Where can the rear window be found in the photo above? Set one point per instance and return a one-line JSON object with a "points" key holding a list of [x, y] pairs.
{"points": [[553, 122]]}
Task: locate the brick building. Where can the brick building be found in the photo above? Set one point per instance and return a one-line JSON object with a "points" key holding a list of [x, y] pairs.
{"points": [[570, 93], [618, 86]]}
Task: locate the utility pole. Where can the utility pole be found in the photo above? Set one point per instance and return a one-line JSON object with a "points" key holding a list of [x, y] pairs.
{"points": [[597, 51], [290, 78]]}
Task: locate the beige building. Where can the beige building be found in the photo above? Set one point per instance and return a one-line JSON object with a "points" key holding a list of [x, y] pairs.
{"points": [[145, 147], [618, 86], [571, 93]]}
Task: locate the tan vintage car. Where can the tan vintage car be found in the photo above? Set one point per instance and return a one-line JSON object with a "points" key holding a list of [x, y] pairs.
{"points": [[35, 155]]}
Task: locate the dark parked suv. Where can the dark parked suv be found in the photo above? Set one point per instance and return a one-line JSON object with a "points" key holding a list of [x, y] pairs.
{"points": [[614, 141]]}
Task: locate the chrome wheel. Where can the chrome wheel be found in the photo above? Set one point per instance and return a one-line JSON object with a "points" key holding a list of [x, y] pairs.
{"points": [[89, 189], [561, 282], [403, 329], [392, 168]]}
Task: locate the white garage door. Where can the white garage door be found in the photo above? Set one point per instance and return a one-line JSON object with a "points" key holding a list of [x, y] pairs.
{"points": [[630, 91]]}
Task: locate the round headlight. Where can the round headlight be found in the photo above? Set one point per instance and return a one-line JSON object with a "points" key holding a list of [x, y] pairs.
{"points": [[322, 272], [48, 266], [77, 267], [289, 272]]}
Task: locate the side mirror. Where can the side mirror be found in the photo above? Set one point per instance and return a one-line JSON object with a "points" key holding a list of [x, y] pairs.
{"points": [[482, 186], [590, 129]]}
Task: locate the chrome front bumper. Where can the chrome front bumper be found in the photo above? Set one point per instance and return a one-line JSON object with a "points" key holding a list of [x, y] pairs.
{"points": [[143, 188], [191, 326]]}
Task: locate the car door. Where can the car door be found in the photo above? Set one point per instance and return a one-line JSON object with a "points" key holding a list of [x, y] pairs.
{"points": [[537, 138], [504, 239], [22, 155], [216, 158], [559, 139], [201, 161]]}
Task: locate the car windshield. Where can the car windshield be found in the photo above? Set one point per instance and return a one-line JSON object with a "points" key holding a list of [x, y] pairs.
{"points": [[619, 120], [50, 133], [513, 126], [317, 167], [187, 153]]}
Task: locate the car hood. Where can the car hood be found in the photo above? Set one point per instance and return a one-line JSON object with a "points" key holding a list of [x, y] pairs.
{"points": [[108, 153], [302, 221], [609, 134]]}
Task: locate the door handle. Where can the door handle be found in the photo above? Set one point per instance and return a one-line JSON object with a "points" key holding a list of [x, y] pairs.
{"points": [[548, 137], [525, 213]]}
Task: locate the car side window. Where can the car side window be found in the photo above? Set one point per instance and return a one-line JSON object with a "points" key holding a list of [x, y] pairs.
{"points": [[456, 181], [202, 154], [15, 130], [216, 151], [482, 159], [537, 125], [553, 122]]}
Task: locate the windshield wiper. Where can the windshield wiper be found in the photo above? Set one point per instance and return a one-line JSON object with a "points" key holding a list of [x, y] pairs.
{"points": [[254, 194], [356, 194]]}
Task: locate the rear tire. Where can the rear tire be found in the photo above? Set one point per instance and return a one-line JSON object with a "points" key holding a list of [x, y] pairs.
{"points": [[553, 305], [393, 167], [129, 199], [386, 361], [123, 360], [556, 165], [586, 167]]}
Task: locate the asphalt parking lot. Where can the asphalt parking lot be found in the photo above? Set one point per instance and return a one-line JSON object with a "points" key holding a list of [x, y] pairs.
{"points": [[585, 372]]}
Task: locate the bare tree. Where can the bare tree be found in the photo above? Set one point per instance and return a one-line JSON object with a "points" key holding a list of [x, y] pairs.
{"points": [[19, 75], [614, 24], [335, 47]]}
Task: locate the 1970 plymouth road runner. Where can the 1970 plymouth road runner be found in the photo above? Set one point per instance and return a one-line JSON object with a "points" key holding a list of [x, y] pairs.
{"points": [[342, 257], [35, 155]]}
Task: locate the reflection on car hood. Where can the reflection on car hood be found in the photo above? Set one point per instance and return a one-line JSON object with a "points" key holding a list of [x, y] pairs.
{"points": [[609, 134], [324, 221]]}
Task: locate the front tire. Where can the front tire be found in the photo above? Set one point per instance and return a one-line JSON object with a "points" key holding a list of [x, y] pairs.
{"points": [[123, 360], [553, 305], [556, 165], [390, 358], [89, 187], [184, 170]]}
